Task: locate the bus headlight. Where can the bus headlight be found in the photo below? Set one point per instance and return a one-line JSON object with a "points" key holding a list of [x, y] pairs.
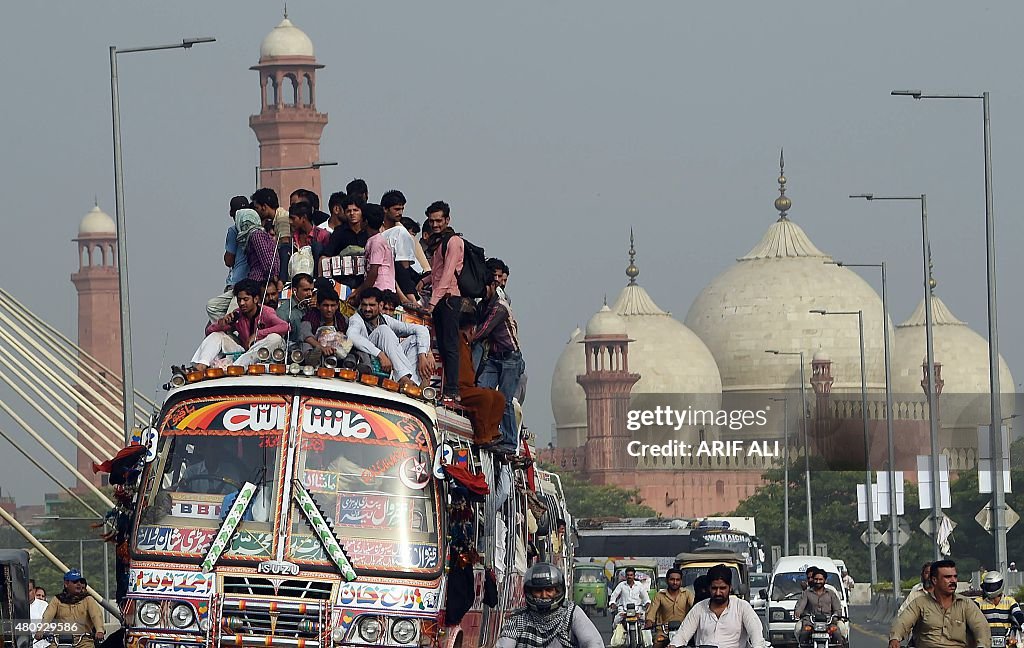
{"points": [[182, 615], [149, 613], [370, 629], [403, 631]]}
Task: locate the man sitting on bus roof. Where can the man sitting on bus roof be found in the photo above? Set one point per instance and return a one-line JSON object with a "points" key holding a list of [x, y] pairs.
{"points": [[244, 331], [323, 328], [376, 334]]}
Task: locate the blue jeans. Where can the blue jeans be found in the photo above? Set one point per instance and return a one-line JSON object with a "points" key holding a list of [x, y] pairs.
{"points": [[504, 375]]}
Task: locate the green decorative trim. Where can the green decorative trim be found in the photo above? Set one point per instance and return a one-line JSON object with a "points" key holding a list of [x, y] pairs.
{"points": [[227, 529], [323, 531]]}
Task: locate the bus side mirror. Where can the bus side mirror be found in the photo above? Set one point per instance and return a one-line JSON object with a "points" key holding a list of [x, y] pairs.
{"points": [[762, 594]]}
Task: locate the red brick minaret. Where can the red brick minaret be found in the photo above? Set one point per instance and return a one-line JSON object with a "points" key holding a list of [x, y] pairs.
{"points": [[99, 312], [607, 384], [288, 126]]}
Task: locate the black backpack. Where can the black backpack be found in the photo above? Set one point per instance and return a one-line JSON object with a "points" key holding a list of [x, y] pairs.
{"points": [[473, 277]]}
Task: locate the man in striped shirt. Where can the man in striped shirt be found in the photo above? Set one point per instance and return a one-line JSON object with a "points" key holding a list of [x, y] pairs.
{"points": [[503, 367], [1002, 612]]}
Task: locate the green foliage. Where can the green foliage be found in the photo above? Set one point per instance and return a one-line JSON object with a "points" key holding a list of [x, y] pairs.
{"points": [[589, 500], [75, 542], [834, 507]]}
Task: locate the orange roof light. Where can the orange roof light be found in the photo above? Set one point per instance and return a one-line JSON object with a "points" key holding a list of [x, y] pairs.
{"points": [[195, 376], [215, 372], [325, 372], [256, 370], [235, 370], [370, 379], [389, 384], [348, 374], [277, 369]]}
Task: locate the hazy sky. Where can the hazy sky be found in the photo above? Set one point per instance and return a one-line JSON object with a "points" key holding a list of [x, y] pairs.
{"points": [[550, 127]]}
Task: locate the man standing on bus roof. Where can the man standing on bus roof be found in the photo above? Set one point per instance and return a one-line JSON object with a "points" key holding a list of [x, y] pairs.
{"points": [[548, 621], [626, 592], [670, 607]]}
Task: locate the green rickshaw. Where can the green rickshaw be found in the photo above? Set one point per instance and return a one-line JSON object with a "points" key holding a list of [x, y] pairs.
{"points": [[646, 572], [590, 587]]}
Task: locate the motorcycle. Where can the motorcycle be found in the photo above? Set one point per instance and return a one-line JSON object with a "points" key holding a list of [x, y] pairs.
{"points": [[632, 623], [666, 630], [1009, 640], [822, 631], [66, 640]]}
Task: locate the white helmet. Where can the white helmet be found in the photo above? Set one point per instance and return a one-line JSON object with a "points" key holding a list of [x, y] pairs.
{"points": [[992, 585]]}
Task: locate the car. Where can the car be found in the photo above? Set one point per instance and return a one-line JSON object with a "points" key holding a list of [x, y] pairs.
{"points": [[759, 582], [786, 586]]}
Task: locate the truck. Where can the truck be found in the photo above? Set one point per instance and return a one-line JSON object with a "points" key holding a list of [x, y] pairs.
{"points": [[302, 507]]}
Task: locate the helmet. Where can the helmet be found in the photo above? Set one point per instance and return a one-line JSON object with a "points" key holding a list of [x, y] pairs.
{"points": [[992, 585], [540, 576]]}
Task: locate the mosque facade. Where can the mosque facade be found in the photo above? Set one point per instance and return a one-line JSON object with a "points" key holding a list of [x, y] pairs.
{"points": [[739, 349]]}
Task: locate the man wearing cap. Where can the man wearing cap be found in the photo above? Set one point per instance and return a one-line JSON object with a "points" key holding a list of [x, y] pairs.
{"points": [[75, 605]]}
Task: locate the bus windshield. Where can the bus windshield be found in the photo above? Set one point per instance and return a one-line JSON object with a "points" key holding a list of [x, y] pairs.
{"points": [[209, 446], [369, 471]]}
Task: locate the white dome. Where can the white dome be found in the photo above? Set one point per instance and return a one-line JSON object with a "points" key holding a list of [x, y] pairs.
{"points": [[962, 353], [669, 357], [605, 323], [763, 302], [97, 222], [286, 40]]}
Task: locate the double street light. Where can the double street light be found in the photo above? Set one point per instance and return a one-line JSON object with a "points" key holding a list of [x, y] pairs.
{"points": [[128, 382], [996, 437], [894, 522], [867, 448], [933, 414], [807, 445], [314, 165]]}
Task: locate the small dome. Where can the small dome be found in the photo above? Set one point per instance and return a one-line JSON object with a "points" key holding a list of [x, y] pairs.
{"points": [[97, 222], [286, 40], [821, 356], [605, 323]]}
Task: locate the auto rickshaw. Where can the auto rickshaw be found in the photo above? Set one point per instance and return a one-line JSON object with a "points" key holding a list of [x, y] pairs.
{"points": [[590, 587], [646, 572], [697, 563]]}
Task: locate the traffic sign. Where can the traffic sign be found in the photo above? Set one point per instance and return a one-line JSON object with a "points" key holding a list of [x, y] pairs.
{"points": [[877, 538], [903, 536], [984, 517]]}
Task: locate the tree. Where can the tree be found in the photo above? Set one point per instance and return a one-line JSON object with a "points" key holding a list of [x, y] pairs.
{"points": [[74, 539], [584, 499]]}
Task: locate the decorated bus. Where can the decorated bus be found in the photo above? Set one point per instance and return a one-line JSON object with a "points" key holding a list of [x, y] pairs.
{"points": [[332, 509]]}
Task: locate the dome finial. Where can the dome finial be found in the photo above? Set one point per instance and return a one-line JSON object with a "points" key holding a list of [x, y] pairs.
{"points": [[286, 11], [931, 272], [631, 270], [782, 203]]}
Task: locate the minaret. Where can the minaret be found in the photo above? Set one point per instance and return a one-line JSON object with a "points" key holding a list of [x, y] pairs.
{"points": [[99, 311], [607, 384], [288, 126]]}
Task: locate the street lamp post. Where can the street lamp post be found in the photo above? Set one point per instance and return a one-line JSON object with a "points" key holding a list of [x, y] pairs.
{"points": [[894, 520], [933, 410], [314, 165], [128, 383], [867, 447], [807, 445], [996, 437], [785, 474]]}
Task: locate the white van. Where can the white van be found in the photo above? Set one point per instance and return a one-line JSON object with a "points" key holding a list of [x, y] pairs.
{"points": [[785, 589]]}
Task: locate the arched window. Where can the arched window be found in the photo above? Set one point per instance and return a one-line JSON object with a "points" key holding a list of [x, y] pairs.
{"points": [[271, 91], [112, 257], [289, 90], [97, 256], [307, 90], [84, 250]]}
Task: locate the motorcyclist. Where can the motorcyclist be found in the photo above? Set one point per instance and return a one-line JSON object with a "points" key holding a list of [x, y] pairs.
{"points": [[815, 600], [670, 606], [723, 620], [75, 605], [1002, 611], [626, 592], [549, 620]]}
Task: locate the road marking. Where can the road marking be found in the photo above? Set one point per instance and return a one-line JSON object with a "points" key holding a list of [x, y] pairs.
{"points": [[861, 629]]}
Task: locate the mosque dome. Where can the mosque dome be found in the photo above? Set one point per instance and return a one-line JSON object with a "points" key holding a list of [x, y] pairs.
{"points": [[97, 221], [669, 357], [764, 301], [962, 353], [605, 323], [286, 40]]}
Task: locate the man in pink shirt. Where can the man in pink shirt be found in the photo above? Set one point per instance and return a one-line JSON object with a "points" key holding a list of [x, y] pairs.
{"points": [[447, 249], [380, 259], [247, 330]]}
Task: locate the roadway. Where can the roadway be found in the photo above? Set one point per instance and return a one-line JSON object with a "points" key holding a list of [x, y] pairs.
{"points": [[863, 634]]}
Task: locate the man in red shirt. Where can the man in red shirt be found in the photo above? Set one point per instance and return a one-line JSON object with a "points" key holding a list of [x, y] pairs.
{"points": [[447, 249], [245, 331]]}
